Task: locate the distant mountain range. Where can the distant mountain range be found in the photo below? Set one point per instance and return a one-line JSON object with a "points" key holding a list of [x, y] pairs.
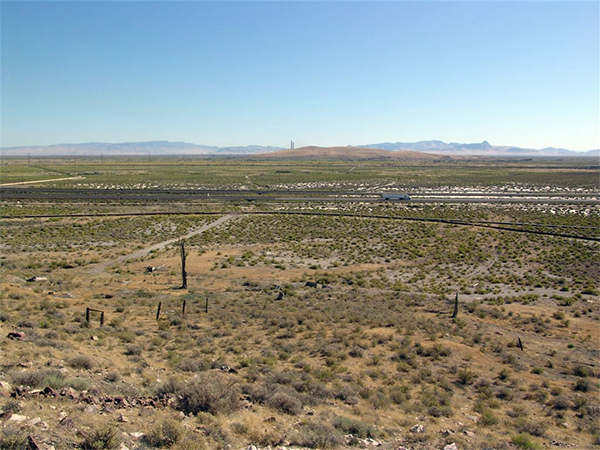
{"points": [[167, 148], [349, 153], [478, 149]]}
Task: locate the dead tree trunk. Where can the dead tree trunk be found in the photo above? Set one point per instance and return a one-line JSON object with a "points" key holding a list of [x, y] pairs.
{"points": [[183, 272], [455, 313]]}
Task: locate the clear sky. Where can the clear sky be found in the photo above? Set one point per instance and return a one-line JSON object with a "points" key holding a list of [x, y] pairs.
{"points": [[318, 73]]}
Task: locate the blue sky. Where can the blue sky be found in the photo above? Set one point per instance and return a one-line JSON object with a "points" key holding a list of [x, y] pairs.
{"points": [[318, 73]]}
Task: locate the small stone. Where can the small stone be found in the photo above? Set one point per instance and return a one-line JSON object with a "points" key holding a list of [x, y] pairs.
{"points": [[418, 429], [16, 335], [452, 446], [90, 409], [136, 434], [122, 447], [469, 433], [5, 386], [94, 338], [17, 418], [34, 421], [123, 419]]}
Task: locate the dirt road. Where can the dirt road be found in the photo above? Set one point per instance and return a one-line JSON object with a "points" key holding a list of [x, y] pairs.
{"points": [[99, 268]]}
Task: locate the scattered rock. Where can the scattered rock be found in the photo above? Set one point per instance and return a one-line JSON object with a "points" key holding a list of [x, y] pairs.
{"points": [[16, 335], [136, 434], [122, 447], [418, 429], [469, 433], [94, 338], [5, 386], [123, 419], [452, 446], [32, 279], [34, 421], [447, 432], [270, 419], [17, 418]]}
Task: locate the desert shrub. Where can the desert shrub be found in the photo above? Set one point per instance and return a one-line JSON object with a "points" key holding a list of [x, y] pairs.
{"points": [[581, 371], [193, 365], [535, 428], [164, 434], [169, 387], [133, 350], [525, 441], [466, 376], [212, 393], [34, 378], [104, 438], [561, 402], [285, 403], [81, 362], [13, 439], [583, 385], [112, 377], [314, 435], [355, 427], [488, 418]]}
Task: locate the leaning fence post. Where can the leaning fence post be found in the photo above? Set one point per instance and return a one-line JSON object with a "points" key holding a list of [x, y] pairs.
{"points": [[206, 306], [183, 308], [87, 314], [102, 319], [158, 310]]}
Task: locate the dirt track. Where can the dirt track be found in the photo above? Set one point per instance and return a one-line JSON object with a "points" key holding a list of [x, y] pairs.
{"points": [[99, 268]]}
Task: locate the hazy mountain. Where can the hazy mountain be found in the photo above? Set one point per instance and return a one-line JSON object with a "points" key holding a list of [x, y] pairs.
{"points": [[158, 148], [348, 153], [249, 149], [167, 148], [476, 149]]}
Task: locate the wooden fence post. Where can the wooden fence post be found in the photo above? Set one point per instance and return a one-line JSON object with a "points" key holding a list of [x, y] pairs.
{"points": [[206, 306], [102, 319], [183, 272], [87, 315], [183, 308], [455, 313], [158, 310]]}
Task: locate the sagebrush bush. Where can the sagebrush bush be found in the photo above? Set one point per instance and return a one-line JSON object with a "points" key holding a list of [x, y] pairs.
{"points": [[285, 403], [104, 438], [81, 362], [164, 434], [213, 392]]}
